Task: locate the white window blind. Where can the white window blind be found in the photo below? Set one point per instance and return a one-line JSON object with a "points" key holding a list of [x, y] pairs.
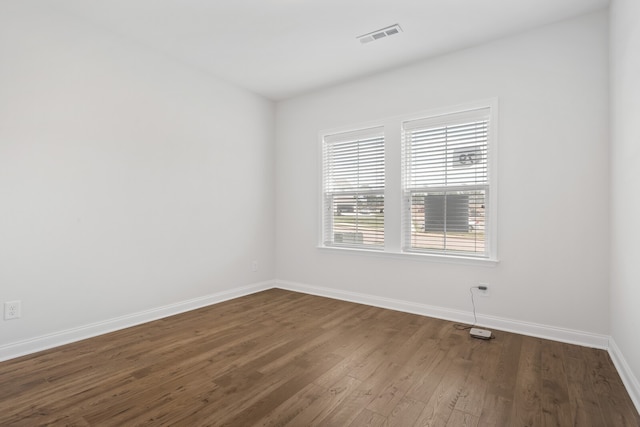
{"points": [[353, 189], [446, 184]]}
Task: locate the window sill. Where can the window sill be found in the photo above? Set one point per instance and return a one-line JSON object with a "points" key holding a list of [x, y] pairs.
{"points": [[413, 256]]}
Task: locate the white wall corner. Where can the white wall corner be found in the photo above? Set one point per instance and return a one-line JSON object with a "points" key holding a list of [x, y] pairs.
{"points": [[569, 336], [45, 342], [626, 374]]}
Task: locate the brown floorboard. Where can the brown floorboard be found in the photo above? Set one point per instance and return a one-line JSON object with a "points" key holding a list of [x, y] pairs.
{"points": [[280, 358]]}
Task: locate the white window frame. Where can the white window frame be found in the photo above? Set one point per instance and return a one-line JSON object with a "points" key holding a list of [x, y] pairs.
{"points": [[329, 195], [394, 195], [446, 120]]}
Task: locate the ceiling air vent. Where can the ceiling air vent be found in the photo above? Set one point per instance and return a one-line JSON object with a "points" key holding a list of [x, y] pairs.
{"points": [[380, 34]]}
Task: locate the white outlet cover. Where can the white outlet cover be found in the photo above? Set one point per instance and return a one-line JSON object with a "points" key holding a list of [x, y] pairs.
{"points": [[12, 310]]}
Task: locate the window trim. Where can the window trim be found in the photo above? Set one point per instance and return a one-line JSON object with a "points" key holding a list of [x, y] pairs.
{"points": [[392, 249], [353, 133], [410, 256], [454, 117]]}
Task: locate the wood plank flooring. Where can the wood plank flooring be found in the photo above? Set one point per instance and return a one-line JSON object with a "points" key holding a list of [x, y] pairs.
{"points": [[282, 358]]}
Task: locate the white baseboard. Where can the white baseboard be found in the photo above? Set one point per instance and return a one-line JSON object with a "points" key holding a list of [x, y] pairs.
{"points": [[44, 342], [509, 325], [630, 381]]}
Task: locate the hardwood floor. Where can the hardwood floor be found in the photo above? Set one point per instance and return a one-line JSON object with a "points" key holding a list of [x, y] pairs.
{"points": [[283, 358]]}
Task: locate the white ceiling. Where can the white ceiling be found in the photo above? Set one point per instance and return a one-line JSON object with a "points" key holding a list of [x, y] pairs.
{"points": [[281, 48]]}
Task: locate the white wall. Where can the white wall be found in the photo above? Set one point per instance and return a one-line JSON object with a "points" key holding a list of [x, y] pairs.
{"points": [[553, 236], [625, 180], [127, 181]]}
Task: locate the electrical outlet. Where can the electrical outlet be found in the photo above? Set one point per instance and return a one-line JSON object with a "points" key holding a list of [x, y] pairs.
{"points": [[254, 266], [484, 292], [12, 310]]}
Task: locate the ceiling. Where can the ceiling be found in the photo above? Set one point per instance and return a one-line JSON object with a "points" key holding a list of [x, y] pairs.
{"points": [[282, 48]]}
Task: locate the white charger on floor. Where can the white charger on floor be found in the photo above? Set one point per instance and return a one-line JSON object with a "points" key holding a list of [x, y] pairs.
{"points": [[482, 334]]}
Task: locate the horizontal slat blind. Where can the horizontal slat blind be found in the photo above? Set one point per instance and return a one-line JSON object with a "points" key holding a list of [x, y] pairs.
{"points": [[446, 183], [353, 188], [447, 155], [354, 164]]}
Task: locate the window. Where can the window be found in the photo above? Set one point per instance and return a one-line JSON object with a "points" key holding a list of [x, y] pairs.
{"points": [[420, 186], [446, 185], [353, 189]]}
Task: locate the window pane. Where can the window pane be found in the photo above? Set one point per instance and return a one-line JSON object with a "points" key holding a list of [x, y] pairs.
{"points": [[358, 219], [449, 222], [354, 165], [353, 183], [446, 181], [446, 156]]}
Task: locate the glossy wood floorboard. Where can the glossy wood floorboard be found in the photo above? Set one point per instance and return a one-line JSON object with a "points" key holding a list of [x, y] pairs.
{"points": [[280, 358]]}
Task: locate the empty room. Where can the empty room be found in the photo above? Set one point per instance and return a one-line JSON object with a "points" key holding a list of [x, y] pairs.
{"points": [[336, 213]]}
